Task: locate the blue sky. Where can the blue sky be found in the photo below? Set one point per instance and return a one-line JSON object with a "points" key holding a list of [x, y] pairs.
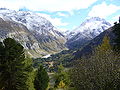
{"points": [[67, 14]]}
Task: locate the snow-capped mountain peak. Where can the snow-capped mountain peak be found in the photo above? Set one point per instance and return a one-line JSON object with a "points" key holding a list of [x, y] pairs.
{"points": [[48, 38], [31, 20], [87, 30], [91, 27]]}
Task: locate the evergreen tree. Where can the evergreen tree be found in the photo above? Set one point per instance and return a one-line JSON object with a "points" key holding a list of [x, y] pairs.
{"points": [[31, 73], [116, 31], [14, 72], [41, 79], [61, 78], [2, 61]]}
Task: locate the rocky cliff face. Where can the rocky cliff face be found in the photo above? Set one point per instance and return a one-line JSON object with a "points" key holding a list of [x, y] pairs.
{"points": [[37, 35]]}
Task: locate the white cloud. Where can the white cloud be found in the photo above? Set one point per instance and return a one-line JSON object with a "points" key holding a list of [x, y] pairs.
{"points": [[55, 21], [62, 14], [103, 10], [48, 5], [14, 4]]}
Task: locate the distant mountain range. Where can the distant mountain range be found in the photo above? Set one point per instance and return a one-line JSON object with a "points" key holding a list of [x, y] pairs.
{"points": [[40, 37], [87, 49], [87, 31], [67, 57]]}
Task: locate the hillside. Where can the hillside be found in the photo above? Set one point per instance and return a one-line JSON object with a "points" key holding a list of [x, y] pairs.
{"points": [[86, 50], [46, 39], [67, 57]]}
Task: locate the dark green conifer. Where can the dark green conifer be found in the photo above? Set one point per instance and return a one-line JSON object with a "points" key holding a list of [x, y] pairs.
{"points": [[41, 79], [13, 69], [116, 31]]}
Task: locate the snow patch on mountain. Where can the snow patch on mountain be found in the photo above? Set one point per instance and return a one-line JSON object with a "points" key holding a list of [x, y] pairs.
{"points": [[87, 31], [49, 39], [33, 21], [91, 27]]}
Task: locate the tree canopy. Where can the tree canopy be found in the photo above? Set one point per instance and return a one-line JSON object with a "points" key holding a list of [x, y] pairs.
{"points": [[41, 79], [13, 67], [98, 72]]}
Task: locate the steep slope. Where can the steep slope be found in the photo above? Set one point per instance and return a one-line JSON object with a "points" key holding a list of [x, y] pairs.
{"points": [[86, 50], [86, 31], [49, 39], [68, 57], [20, 33]]}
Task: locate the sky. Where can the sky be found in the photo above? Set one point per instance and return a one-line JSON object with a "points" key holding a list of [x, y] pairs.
{"points": [[67, 14]]}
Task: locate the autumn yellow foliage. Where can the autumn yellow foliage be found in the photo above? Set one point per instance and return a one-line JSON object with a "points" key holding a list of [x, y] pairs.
{"points": [[61, 84]]}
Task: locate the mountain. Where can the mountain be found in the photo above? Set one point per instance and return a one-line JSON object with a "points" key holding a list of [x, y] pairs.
{"points": [[86, 50], [39, 32], [67, 57], [20, 33], [86, 31]]}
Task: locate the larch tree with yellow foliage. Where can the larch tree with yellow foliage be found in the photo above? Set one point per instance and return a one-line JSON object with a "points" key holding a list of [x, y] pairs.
{"points": [[99, 72]]}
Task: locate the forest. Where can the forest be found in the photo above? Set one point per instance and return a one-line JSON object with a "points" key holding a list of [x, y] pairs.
{"points": [[100, 70]]}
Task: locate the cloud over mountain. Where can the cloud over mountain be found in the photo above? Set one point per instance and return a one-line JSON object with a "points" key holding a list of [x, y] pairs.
{"points": [[103, 10], [47, 5]]}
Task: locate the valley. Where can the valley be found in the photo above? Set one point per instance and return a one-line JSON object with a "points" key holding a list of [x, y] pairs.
{"points": [[85, 58], [43, 38]]}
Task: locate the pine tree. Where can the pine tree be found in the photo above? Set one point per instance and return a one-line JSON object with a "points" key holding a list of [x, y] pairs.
{"points": [[41, 79], [14, 72], [2, 61], [31, 73], [116, 31]]}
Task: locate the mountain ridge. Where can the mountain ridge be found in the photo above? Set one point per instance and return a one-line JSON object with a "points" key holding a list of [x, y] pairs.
{"points": [[86, 31], [90, 47], [49, 40]]}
